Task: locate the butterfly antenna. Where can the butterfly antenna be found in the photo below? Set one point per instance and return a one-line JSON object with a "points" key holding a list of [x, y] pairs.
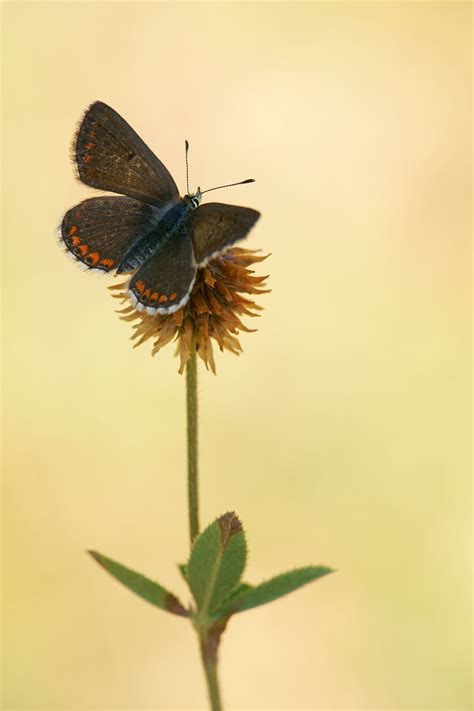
{"points": [[186, 144], [229, 185]]}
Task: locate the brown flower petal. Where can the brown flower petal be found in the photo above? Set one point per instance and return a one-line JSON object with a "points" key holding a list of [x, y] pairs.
{"points": [[213, 311]]}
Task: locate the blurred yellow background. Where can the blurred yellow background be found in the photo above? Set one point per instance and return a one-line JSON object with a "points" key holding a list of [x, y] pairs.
{"points": [[340, 436]]}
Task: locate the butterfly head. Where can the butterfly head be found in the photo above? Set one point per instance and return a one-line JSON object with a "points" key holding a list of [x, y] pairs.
{"points": [[194, 200]]}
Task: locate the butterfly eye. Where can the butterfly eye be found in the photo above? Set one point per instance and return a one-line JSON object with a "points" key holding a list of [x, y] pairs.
{"points": [[195, 202]]}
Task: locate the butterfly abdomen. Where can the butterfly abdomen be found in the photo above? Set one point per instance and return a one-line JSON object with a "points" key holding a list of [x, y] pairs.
{"points": [[146, 245], [139, 252]]}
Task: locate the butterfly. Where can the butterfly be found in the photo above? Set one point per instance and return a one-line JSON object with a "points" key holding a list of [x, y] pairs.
{"points": [[149, 231]]}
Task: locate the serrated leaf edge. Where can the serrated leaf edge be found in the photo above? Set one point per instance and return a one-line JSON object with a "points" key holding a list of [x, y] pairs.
{"points": [[229, 525]]}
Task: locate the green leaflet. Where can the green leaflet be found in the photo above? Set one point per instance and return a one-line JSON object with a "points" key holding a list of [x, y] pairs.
{"points": [[217, 562], [236, 593], [142, 586], [273, 589]]}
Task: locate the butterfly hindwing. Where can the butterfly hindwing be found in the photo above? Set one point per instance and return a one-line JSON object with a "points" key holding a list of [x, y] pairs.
{"points": [[163, 284], [216, 226], [98, 232], [111, 156]]}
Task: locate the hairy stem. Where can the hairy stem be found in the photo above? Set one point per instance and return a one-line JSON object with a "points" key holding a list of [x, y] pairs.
{"points": [[210, 667], [192, 429], [209, 642]]}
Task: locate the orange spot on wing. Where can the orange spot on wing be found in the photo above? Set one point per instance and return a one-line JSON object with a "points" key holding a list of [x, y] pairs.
{"points": [[83, 249], [93, 257], [76, 241], [108, 262], [139, 286], [91, 134], [90, 146], [154, 296], [162, 299], [73, 229], [146, 293], [87, 158], [173, 296]]}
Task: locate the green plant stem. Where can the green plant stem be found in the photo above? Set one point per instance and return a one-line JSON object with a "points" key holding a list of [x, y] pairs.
{"points": [[192, 430], [208, 643], [210, 667]]}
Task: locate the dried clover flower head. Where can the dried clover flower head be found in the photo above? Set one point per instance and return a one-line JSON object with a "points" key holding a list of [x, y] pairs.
{"points": [[214, 310]]}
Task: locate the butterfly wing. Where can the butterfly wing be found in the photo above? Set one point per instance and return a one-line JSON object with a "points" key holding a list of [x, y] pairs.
{"points": [[164, 283], [215, 227], [100, 231], [111, 156]]}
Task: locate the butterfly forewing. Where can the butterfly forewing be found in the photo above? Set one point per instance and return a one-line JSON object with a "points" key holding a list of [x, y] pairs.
{"points": [[100, 231], [216, 226], [163, 284], [111, 156]]}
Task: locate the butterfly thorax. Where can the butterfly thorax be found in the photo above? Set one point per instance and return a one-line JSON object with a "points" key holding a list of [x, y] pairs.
{"points": [[167, 221]]}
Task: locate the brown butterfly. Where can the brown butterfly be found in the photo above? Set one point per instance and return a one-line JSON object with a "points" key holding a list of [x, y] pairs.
{"points": [[149, 231]]}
